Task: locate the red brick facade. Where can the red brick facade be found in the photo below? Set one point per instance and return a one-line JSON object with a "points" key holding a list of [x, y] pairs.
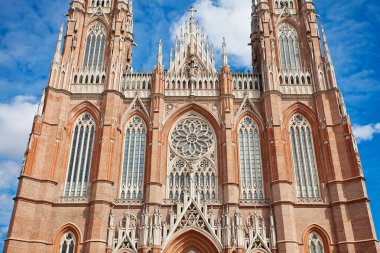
{"points": [[341, 216]]}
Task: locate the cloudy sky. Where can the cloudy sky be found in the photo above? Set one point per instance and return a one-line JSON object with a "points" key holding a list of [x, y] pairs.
{"points": [[29, 29]]}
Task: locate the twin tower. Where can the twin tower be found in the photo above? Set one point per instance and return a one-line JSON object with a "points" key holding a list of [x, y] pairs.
{"points": [[192, 159]]}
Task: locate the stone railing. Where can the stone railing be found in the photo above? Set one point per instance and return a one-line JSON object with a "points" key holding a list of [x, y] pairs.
{"points": [[89, 81], [295, 81], [246, 84], [182, 85], [133, 84], [279, 6], [88, 76]]}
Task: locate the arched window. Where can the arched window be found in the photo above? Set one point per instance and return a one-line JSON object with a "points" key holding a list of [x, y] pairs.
{"points": [[67, 244], [80, 156], [95, 44], [306, 175], [289, 49], [192, 159], [250, 160], [315, 243], [132, 178]]}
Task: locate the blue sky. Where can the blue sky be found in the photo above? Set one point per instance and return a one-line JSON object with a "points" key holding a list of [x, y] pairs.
{"points": [[29, 29]]}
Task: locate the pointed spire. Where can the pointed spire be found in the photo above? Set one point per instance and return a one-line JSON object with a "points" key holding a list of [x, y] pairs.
{"points": [[224, 54], [57, 55], [326, 47], [328, 60], [159, 55]]}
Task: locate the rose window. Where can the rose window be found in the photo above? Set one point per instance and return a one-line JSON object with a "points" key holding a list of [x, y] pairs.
{"points": [[192, 160], [192, 139]]}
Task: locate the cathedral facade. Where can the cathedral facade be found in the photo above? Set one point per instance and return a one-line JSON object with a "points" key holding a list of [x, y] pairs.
{"points": [[192, 159]]}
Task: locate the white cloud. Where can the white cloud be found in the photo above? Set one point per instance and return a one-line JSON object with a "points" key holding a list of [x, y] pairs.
{"points": [[16, 120], [9, 171], [366, 132], [3, 234], [225, 18]]}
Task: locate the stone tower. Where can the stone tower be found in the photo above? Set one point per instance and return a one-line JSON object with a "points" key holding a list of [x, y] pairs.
{"points": [[192, 159]]}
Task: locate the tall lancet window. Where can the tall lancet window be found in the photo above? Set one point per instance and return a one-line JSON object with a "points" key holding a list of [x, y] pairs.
{"points": [[289, 49], [80, 157], [95, 44], [67, 243], [305, 169], [315, 243], [250, 160], [192, 160], [132, 178]]}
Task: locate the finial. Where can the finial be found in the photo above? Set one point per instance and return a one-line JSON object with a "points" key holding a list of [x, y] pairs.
{"points": [[192, 11], [57, 55], [159, 55], [224, 55], [325, 46]]}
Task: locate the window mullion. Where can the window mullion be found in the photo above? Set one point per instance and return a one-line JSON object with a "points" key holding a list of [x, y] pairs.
{"points": [[258, 162], [80, 168], [133, 163], [296, 53], [92, 39], [75, 163], [297, 151], [291, 53], [305, 162], [249, 143], [307, 151], [139, 165], [85, 159], [296, 171], [313, 165]]}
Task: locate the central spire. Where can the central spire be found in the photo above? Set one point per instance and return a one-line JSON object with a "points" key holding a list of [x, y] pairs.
{"points": [[191, 48]]}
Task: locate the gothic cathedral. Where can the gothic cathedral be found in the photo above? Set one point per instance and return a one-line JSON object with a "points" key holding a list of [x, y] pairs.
{"points": [[192, 159]]}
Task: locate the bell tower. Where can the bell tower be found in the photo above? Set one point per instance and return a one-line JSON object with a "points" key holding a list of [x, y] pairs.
{"points": [[294, 60], [97, 45]]}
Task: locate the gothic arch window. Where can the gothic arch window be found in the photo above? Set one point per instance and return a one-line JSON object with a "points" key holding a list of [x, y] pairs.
{"points": [[95, 44], [315, 243], [80, 156], [250, 160], [132, 177], [67, 244], [289, 49], [192, 159], [303, 154]]}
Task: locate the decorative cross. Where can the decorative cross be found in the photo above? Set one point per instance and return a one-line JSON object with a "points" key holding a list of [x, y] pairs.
{"points": [[192, 11]]}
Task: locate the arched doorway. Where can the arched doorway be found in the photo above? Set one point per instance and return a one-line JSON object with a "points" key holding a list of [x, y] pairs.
{"points": [[192, 241]]}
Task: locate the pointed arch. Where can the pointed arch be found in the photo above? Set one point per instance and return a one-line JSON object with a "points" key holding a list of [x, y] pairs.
{"points": [[134, 159], [288, 45], [172, 120], [192, 147], [248, 108], [136, 107], [250, 159], [80, 156], [192, 239], [303, 109], [83, 107], [94, 47], [68, 228], [191, 107], [323, 235]]}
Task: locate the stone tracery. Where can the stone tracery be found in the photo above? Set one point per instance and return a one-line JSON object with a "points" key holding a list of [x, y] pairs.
{"points": [[192, 159]]}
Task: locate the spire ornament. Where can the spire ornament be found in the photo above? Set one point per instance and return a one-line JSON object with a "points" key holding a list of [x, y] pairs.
{"points": [[57, 54], [159, 55], [224, 55]]}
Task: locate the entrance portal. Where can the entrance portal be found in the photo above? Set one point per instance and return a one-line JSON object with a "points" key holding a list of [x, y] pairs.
{"points": [[191, 241]]}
